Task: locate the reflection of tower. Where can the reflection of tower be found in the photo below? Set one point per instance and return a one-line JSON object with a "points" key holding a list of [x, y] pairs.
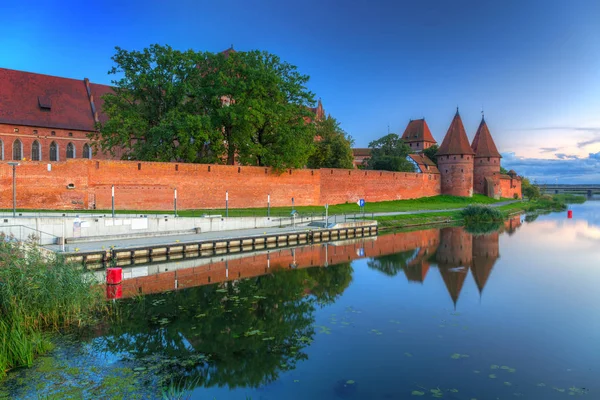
{"points": [[512, 224], [454, 256], [417, 269], [486, 251]]}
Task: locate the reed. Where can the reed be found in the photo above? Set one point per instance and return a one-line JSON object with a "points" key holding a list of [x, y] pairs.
{"points": [[40, 293]]}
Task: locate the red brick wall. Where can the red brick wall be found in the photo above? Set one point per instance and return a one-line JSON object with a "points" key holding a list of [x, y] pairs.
{"points": [[510, 187], [45, 136], [484, 166], [341, 185], [150, 186], [457, 175]]}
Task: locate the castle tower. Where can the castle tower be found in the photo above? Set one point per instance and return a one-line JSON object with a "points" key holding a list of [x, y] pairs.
{"points": [[418, 136], [487, 162], [455, 161]]}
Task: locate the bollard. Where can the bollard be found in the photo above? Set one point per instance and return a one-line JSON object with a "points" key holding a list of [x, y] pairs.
{"points": [[114, 292], [114, 276], [570, 214]]}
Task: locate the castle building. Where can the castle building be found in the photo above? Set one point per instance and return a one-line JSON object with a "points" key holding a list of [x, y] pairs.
{"points": [[418, 136], [455, 160], [486, 162], [48, 118]]}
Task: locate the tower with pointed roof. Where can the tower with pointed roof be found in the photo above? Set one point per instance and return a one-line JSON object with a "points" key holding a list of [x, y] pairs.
{"points": [[486, 172], [455, 160], [486, 251], [418, 136]]}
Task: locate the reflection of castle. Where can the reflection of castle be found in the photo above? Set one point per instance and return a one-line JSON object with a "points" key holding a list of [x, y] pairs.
{"points": [[454, 250]]}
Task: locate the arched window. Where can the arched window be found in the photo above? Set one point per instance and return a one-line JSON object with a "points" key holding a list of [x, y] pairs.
{"points": [[17, 150], [87, 151], [35, 151], [1, 150], [70, 151], [53, 151]]}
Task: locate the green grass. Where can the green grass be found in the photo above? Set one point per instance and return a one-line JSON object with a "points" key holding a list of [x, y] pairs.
{"points": [[570, 198], [39, 293], [425, 203], [544, 203]]}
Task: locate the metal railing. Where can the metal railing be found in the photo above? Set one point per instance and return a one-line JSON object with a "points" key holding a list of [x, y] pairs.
{"points": [[23, 233]]}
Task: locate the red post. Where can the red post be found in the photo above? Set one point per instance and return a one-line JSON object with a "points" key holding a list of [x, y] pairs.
{"points": [[570, 214], [114, 276], [114, 292]]}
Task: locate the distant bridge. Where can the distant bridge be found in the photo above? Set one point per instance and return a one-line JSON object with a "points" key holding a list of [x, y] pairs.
{"points": [[589, 190]]}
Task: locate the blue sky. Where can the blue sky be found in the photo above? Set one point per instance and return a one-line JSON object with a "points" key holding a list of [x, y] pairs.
{"points": [[534, 66]]}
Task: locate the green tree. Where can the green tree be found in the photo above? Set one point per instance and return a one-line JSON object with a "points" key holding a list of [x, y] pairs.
{"points": [[150, 115], [389, 153], [431, 153], [503, 170], [261, 105], [530, 191], [334, 147]]}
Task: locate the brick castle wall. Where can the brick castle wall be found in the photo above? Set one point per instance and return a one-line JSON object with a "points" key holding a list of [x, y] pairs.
{"points": [[484, 166], [86, 184], [457, 175]]}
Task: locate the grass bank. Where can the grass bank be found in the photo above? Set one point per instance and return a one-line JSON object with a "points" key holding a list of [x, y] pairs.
{"points": [[425, 203], [39, 294], [472, 217]]}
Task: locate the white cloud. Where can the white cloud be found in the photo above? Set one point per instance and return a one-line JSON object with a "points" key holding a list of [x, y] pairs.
{"points": [[565, 169]]}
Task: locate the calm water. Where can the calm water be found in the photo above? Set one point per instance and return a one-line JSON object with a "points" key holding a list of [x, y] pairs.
{"points": [[435, 313]]}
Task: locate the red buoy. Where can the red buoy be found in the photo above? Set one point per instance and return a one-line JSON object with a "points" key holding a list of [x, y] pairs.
{"points": [[570, 214], [114, 292], [114, 276]]}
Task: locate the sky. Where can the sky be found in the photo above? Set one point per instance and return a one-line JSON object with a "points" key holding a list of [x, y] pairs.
{"points": [[532, 66]]}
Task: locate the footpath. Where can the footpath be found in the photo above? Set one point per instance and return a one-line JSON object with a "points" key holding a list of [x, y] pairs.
{"points": [[231, 234]]}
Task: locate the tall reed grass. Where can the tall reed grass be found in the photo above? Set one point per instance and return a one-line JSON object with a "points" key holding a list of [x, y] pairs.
{"points": [[40, 293]]}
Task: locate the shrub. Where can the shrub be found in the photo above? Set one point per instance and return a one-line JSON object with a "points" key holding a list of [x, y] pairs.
{"points": [[39, 292], [474, 214]]}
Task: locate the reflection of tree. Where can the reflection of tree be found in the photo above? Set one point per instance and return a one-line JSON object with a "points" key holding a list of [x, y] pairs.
{"points": [[393, 263], [242, 333]]}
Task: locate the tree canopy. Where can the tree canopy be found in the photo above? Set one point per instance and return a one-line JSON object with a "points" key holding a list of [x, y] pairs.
{"points": [[246, 107], [333, 149], [389, 153]]}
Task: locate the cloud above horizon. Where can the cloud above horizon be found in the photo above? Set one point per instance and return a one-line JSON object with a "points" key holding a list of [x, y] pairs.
{"points": [[565, 168], [593, 130]]}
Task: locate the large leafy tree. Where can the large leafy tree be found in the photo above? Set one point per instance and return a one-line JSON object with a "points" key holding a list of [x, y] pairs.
{"points": [[169, 105], [150, 114], [333, 149], [261, 104], [389, 153]]}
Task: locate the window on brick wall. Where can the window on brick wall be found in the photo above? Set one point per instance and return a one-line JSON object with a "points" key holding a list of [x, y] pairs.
{"points": [[87, 151], [17, 150], [36, 151], [70, 151], [53, 151]]}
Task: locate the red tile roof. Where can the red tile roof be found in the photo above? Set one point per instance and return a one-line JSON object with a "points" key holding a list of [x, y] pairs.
{"points": [[455, 141], [361, 152], [425, 164], [417, 131], [46, 101], [483, 145]]}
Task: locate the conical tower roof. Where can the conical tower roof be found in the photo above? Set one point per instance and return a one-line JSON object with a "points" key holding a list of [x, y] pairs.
{"points": [[455, 141], [454, 279], [417, 131], [483, 145]]}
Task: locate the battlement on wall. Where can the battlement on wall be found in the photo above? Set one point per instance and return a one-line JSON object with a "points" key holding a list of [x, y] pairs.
{"points": [[87, 184]]}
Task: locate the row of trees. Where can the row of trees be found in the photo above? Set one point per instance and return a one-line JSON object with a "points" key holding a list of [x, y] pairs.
{"points": [[199, 107]]}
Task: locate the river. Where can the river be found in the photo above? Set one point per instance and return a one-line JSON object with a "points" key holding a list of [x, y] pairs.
{"points": [[437, 313]]}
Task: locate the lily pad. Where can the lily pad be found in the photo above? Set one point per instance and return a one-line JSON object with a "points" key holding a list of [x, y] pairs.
{"points": [[494, 366], [350, 382], [417, 393], [492, 376]]}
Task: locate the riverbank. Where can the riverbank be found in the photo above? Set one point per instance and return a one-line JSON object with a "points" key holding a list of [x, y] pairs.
{"points": [[455, 217], [40, 293], [425, 203]]}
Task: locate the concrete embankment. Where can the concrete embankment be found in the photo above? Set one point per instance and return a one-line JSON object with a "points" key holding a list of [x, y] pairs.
{"points": [[98, 254]]}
